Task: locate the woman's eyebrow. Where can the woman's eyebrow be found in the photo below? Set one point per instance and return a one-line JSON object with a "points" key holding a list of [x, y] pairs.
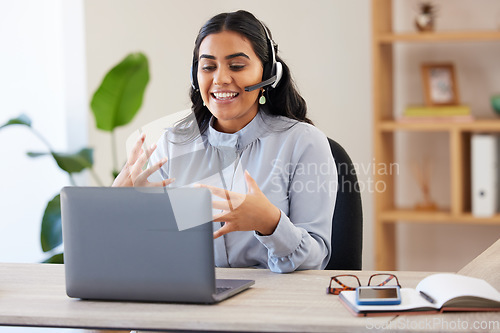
{"points": [[239, 54], [207, 56], [231, 56]]}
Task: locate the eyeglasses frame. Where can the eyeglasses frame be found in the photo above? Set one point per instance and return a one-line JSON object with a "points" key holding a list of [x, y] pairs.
{"points": [[336, 291]]}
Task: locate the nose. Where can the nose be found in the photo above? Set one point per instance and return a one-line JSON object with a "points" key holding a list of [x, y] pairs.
{"points": [[222, 76]]}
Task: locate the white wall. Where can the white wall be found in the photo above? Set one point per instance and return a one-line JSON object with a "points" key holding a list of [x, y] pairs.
{"points": [[43, 75], [326, 44]]}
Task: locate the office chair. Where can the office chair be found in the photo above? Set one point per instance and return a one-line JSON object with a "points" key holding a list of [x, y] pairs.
{"points": [[347, 222]]}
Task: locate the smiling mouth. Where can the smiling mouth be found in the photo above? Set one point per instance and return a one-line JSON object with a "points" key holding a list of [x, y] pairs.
{"points": [[224, 96]]}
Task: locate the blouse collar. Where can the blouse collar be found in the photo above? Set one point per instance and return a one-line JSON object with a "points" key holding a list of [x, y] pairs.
{"points": [[252, 131]]}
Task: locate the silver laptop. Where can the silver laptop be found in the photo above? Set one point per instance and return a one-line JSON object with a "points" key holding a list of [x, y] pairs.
{"points": [[125, 244]]}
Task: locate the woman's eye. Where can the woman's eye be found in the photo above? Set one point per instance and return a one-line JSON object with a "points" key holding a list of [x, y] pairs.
{"points": [[237, 67], [207, 68]]}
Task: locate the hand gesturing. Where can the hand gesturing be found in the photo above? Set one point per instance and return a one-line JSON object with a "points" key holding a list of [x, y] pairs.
{"points": [[132, 173], [244, 212]]}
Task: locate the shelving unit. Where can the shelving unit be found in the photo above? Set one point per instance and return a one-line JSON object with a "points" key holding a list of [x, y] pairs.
{"points": [[387, 215]]}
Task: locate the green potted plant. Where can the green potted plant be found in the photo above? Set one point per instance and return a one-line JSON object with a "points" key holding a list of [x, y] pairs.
{"points": [[115, 103]]}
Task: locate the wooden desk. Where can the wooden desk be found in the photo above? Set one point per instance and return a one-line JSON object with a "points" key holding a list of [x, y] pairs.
{"points": [[34, 295]]}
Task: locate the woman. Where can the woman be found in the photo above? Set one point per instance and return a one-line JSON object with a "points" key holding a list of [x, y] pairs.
{"points": [[251, 139]]}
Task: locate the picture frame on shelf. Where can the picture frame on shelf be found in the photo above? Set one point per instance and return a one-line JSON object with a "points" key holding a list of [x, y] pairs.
{"points": [[440, 84]]}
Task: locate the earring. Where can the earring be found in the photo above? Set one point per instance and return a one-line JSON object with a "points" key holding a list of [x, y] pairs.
{"points": [[204, 103], [262, 99]]}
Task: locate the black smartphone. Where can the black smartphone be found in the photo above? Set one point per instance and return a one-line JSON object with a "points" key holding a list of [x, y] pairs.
{"points": [[378, 295]]}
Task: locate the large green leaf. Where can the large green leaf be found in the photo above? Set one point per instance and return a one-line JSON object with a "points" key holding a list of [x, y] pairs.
{"points": [[51, 232], [70, 163], [119, 97], [55, 259], [21, 120]]}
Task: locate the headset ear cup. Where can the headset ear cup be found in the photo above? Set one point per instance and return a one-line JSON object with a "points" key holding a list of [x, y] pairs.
{"points": [[267, 72], [279, 73], [194, 76]]}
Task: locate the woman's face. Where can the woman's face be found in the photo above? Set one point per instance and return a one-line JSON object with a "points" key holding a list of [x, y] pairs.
{"points": [[227, 64]]}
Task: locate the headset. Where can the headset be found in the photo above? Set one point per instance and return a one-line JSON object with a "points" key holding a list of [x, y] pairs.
{"points": [[273, 70]]}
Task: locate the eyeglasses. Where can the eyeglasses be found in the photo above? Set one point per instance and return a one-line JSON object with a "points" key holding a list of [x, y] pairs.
{"points": [[340, 283]]}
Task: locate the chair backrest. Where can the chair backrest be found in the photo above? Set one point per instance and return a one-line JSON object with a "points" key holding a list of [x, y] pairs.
{"points": [[347, 223]]}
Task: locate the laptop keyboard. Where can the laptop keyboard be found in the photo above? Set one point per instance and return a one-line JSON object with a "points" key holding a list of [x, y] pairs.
{"points": [[222, 289]]}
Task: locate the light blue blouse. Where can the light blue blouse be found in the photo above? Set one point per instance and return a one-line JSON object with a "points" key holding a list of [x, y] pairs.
{"points": [[291, 162]]}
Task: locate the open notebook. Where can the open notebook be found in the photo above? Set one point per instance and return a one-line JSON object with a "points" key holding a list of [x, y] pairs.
{"points": [[436, 293]]}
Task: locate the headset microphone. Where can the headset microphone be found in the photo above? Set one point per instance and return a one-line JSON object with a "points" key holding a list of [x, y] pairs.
{"points": [[273, 81]]}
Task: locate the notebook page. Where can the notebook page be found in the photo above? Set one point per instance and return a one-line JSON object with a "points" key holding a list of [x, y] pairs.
{"points": [[446, 286]]}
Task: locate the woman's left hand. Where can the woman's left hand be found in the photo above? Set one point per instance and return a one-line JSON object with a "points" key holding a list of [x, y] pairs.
{"points": [[241, 212]]}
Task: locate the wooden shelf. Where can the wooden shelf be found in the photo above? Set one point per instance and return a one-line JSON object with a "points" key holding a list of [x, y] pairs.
{"points": [[385, 138], [415, 216], [439, 37], [480, 125], [391, 125], [443, 217]]}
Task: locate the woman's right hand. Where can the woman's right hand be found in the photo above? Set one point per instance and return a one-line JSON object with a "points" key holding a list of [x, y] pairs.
{"points": [[132, 173]]}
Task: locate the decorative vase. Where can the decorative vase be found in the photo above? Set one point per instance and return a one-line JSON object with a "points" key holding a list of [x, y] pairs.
{"points": [[426, 17], [495, 103]]}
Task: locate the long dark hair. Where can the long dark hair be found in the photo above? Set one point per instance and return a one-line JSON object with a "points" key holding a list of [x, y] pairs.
{"points": [[284, 100]]}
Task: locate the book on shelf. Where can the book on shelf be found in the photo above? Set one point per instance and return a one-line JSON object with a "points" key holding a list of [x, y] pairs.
{"points": [[437, 111], [426, 114], [437, 293]]}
